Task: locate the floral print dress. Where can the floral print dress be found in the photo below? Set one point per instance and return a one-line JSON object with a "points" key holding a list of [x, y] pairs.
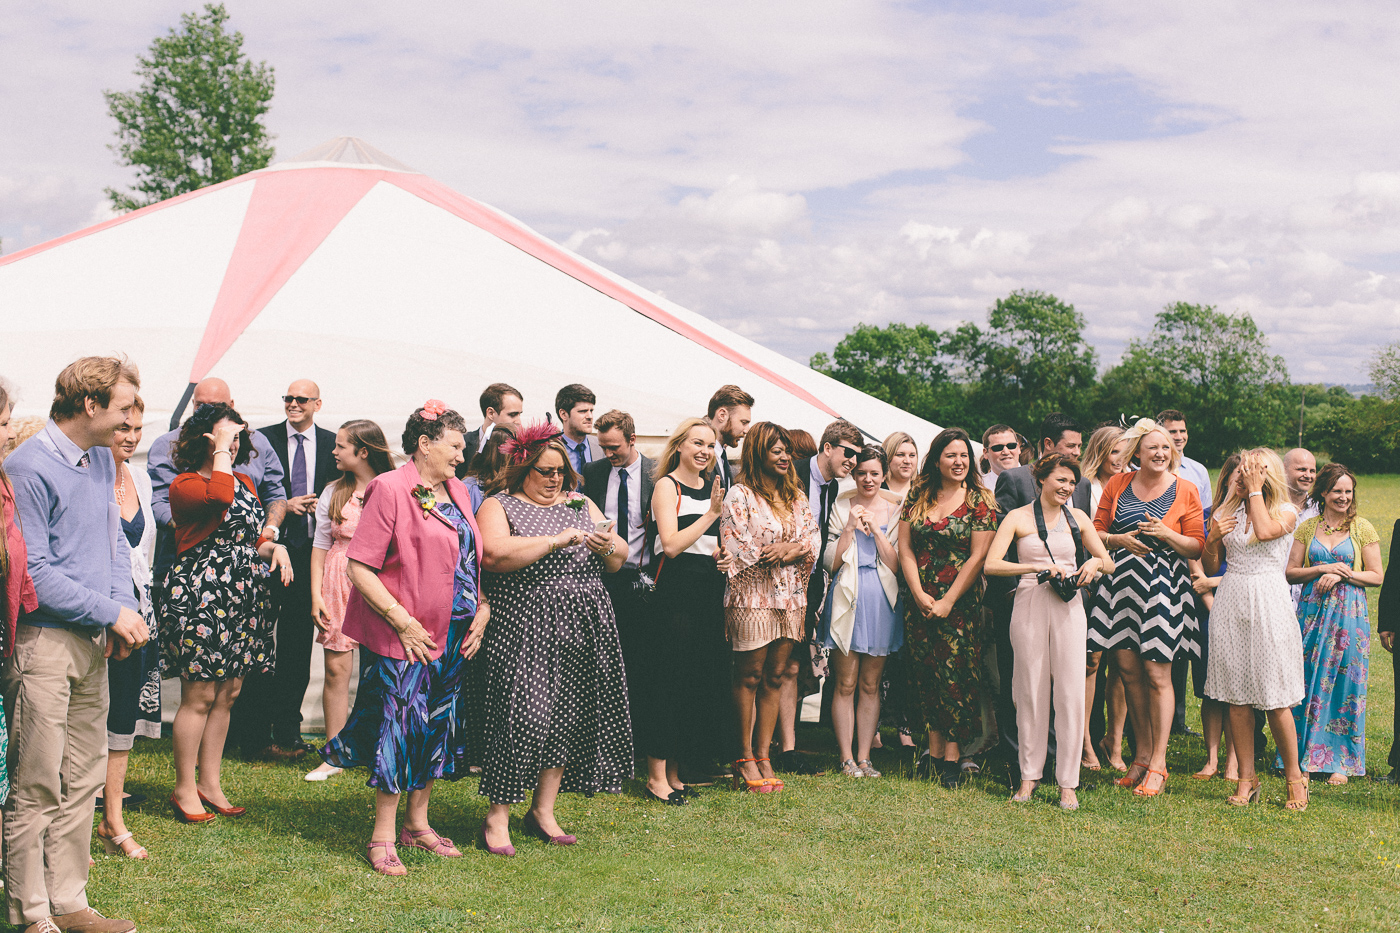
{"points": [[764, 603], [1336, 632], [945, 655], [216, 619]]}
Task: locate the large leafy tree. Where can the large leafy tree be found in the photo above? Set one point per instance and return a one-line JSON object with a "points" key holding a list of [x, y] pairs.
{"points": [[1214, 367], [912, 367], [197, 118], [1031, 360]]}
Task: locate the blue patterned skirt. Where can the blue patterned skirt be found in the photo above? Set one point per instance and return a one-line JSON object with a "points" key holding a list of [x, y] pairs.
{"points": [[406, 725]]}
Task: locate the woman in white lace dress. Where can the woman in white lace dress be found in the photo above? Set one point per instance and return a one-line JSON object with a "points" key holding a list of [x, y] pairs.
{"points": [[1256, 650]]}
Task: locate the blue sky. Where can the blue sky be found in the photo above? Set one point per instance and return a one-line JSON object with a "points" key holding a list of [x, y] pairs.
{"points": [[792, 169]]}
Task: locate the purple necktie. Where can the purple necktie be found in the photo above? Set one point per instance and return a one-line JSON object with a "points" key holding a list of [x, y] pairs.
{"points": [[298, 522]]}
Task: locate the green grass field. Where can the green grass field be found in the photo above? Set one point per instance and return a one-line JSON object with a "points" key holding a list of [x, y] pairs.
{"points": [[827, 854]]}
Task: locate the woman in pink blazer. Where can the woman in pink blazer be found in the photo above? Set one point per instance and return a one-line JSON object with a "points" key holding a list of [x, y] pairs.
{"points": [[417, 613]]}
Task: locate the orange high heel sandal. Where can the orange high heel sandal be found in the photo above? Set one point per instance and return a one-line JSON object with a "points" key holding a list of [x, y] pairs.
{"points": [[1236, 800], [775, 784], [1127, 780], [736, 772], [1142, 791], [1298, 806]]}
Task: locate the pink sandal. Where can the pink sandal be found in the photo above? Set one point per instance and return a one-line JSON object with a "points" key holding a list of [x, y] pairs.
{"points": [[443, 847], [388, 864]]}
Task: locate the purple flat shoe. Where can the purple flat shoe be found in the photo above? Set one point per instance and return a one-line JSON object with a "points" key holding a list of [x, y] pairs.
{"points": [[532, 826], [506, 850]]}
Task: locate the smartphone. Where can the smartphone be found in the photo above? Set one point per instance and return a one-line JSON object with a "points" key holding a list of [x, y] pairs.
{"points": [[604, 527]]}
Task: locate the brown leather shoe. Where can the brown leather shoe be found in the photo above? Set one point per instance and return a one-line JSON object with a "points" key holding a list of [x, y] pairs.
{"points": [[275, 752], [88, 920]]}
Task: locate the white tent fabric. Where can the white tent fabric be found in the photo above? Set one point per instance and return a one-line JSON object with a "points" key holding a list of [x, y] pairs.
{"points": [[386, 288]]}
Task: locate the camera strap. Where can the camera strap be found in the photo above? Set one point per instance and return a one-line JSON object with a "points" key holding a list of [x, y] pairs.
{"points": [[1073, 531]]}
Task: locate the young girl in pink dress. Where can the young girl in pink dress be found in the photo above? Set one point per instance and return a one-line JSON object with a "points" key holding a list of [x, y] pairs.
{"points": [[361, 454]]}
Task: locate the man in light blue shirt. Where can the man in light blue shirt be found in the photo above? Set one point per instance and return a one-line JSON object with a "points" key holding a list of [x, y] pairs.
{"points": [[55, 684], [574, 405]]}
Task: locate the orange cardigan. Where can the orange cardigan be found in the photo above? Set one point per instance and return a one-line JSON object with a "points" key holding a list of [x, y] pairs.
{"points": [[198, 505], [1184, 517]]}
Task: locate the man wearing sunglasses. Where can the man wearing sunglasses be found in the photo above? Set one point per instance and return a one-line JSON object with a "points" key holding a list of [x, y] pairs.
{"points": [[821, 477], [267, 715]]}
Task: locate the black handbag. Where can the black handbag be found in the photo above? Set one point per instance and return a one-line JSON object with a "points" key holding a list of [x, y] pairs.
{"points": [[1064, 586]]}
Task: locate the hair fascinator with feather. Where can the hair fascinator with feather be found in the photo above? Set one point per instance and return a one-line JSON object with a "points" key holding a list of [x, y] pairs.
{"points": [[528, 440]]}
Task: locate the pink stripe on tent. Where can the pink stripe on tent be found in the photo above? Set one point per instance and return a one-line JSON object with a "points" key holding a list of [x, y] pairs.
{"points": [[478, 215], [289, 215], [115, 221]]}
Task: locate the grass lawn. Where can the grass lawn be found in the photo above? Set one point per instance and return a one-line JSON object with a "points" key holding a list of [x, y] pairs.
{"points": [[827, 854]]}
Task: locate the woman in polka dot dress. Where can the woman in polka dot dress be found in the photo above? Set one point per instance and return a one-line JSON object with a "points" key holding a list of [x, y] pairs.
{"points": [[555, 693]]}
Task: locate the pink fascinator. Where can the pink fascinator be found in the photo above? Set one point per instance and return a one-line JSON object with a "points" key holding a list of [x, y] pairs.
{"points": [[527, 440], [432, 408]]}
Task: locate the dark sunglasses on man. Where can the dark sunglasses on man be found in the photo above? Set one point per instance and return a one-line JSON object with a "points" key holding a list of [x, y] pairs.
{"points": [[848, 453], [299, 399], [998, 448]]}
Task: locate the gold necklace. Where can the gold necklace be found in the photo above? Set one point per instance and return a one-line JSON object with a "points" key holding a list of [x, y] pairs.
{"points": [[121, 486]]}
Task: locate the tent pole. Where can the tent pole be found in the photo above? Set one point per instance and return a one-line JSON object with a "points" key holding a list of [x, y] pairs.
{"points": [[180, 408]]}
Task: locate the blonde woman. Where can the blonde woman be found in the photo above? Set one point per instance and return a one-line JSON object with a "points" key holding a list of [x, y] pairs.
{"points": [[1103, 460], [1256, 649], [1145, 611], [683, 693], [902, 455]]}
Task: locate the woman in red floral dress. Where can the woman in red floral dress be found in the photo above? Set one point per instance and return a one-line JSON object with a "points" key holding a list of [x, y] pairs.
{"points": [[944, 532]]}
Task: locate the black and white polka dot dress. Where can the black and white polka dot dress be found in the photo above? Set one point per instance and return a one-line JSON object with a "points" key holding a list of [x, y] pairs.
{"points": [[555, 691]]}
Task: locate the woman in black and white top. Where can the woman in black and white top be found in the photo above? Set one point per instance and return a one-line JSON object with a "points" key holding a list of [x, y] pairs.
{"points": [[686, 683]]}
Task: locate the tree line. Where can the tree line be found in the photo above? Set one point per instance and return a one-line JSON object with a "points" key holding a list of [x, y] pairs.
{"points": [[1031, 358]]}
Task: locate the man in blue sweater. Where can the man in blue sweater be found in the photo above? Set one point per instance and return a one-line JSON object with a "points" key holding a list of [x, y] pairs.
{"points": [[55, 684]]}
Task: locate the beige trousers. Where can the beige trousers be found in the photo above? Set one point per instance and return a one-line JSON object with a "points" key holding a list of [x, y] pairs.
{"points": [[55, 690], [1048, 640]]}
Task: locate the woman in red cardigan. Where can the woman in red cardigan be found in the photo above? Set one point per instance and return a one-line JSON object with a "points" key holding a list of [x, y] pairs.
{"points": [[215, 619], [16, 588], [1145, 611]]}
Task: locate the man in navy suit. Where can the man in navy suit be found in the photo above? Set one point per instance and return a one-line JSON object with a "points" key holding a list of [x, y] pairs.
{"points": [[501, 405], [267, 715], [620, 485], [1387, 623]]}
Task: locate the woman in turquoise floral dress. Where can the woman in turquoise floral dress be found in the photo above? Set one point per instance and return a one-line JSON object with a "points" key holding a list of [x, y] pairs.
{"points": [[945, 530], [1335, 556]]}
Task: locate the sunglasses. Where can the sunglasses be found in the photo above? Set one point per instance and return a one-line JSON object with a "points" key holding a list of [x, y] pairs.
{"points": [[848, 452], [998, 448], [299, 399], [550, 472]]}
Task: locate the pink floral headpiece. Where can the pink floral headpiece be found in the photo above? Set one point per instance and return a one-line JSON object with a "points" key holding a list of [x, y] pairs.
{"points": [[527, 440], [432, 408]]}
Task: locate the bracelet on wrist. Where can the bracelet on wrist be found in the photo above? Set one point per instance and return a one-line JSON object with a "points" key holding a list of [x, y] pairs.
{"points": [[388, 609], [1257, 492], [221, 451]]}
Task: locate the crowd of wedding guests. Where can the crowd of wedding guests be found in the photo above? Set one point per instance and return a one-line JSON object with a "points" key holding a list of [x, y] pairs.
{"points": [[538, 603]]}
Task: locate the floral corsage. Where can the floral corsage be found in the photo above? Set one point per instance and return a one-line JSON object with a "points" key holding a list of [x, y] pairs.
{"points": [[426, 500], [575, 501]]}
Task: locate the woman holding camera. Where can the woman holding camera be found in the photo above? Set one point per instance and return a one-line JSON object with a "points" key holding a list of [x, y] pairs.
{"points": [[1058, 551]]}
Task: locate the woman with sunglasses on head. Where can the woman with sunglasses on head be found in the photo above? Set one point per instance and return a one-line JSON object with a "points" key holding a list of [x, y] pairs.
{"points": [[1215, 716], [1002, 450], [768, 531], [555, 693], [945, 529], [361, 453], [1145, 612], [1055, 545]]}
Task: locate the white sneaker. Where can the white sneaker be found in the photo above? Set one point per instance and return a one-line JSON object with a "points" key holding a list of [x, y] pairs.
{"points": [[319, 775]]}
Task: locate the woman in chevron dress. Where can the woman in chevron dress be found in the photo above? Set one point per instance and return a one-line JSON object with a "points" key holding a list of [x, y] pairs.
{"points": [[1145, 611]]}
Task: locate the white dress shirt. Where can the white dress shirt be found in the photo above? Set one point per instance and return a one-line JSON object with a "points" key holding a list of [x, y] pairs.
{"points": [[632, 530]]}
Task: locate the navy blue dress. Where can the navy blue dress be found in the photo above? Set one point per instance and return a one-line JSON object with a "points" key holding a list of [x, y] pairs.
{"points": [[407, 725]]}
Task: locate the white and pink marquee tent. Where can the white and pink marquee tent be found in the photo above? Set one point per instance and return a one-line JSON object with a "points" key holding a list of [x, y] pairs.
{"points": [[387, 288]]}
